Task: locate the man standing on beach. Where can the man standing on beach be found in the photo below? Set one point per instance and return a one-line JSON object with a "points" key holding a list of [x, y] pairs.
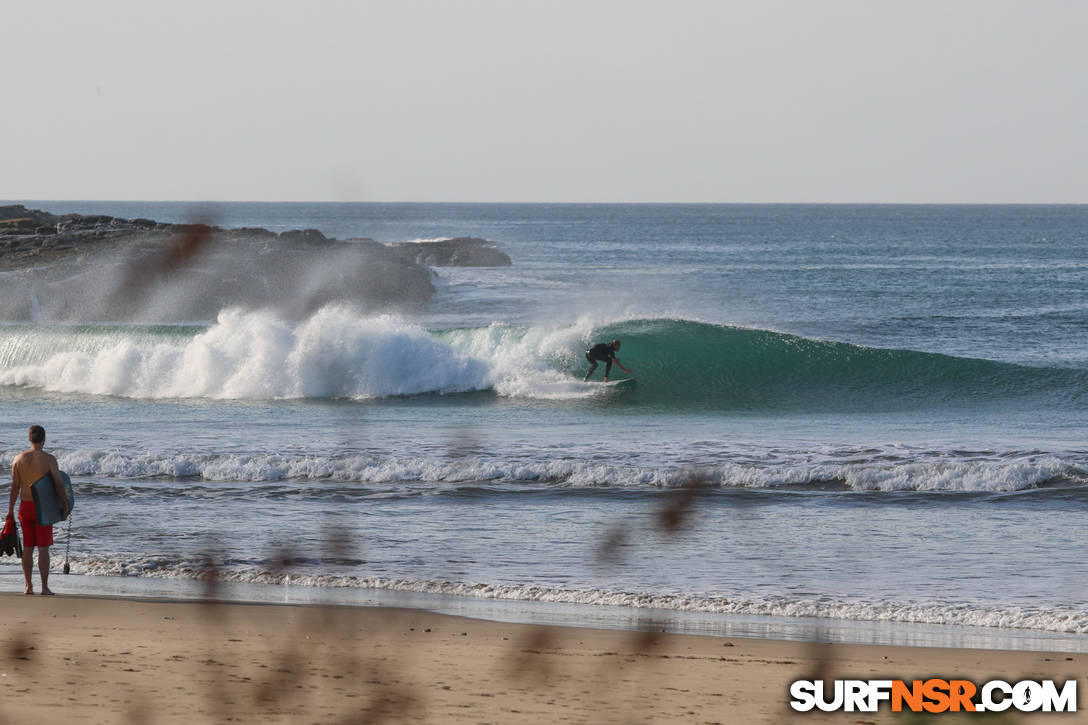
{"points": [[29, 466]]}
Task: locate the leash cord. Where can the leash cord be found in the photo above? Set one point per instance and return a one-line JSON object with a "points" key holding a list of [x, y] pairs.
{"points": [[68, 545]]}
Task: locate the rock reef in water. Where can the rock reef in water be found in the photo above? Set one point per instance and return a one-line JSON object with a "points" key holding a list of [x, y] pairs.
{"points": [[72, 267], [456, 252]]}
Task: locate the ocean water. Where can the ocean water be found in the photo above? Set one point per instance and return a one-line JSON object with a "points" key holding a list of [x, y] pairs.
{"points": [[883, 408]]}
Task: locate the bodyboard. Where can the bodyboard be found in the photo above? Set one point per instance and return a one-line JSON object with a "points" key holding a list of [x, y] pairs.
{"points": [[46, 503]]}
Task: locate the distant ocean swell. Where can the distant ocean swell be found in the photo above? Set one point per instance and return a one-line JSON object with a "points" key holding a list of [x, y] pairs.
{"points": [[925, 473], [677, 363], [1049, 618]]}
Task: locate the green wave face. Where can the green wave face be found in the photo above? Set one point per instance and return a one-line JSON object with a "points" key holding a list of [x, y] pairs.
{"points": [[690, 363]]}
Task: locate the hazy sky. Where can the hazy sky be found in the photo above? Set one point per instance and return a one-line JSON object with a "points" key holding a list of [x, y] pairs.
{"points": [[752, 101]]}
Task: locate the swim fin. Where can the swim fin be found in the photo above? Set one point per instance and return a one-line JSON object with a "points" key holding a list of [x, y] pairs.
{"points": [[9, 539]]}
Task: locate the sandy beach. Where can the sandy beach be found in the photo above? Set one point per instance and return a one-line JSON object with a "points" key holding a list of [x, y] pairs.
{"points": [[100, 659]]}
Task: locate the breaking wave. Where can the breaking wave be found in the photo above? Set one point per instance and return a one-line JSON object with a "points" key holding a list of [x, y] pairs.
{"points": [[1000, 472], [338, 353], [253, 355]]}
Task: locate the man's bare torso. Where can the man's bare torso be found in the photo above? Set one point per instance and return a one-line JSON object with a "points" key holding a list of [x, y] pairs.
{"points": [[29, 466]]}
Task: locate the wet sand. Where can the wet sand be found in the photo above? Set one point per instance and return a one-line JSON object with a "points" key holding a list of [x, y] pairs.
{"points": [[118, 660]]}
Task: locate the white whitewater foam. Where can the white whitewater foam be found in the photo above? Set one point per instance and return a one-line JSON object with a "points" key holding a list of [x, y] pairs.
{"points": [[1052, 619], [336, 353], [255, 355], [525, 362], [976, 476]]}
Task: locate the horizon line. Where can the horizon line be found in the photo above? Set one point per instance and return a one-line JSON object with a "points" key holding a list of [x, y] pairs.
{"points": [[557, 203]]}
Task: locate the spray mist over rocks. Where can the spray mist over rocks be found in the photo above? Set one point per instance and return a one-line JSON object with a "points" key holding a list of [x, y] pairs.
{"points": [[76, 268]]}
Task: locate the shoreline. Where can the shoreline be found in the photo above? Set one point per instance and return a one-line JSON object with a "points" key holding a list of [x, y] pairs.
{"points": [[594, 616], [112, 659]]}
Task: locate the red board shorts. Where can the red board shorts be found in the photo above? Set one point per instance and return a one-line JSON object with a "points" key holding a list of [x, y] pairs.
{"points": [[33, 535]]}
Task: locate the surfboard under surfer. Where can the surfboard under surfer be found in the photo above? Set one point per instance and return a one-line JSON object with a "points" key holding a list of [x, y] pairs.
{"points": [[604, 352]]}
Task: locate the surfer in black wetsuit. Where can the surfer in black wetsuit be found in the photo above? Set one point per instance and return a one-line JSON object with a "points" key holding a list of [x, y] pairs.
{"points": [[604, 352]]}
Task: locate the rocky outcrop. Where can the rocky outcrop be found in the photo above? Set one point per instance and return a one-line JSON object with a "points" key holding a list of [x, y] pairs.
{"points": [[94, 267], [305, 236], [456, 252], [31, 237]]}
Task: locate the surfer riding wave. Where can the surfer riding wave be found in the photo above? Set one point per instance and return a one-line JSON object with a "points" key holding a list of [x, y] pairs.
{"points": [[604, 352]]}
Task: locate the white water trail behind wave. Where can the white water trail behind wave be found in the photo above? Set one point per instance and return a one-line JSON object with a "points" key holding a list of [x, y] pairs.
{"points": [[256, 355]]}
